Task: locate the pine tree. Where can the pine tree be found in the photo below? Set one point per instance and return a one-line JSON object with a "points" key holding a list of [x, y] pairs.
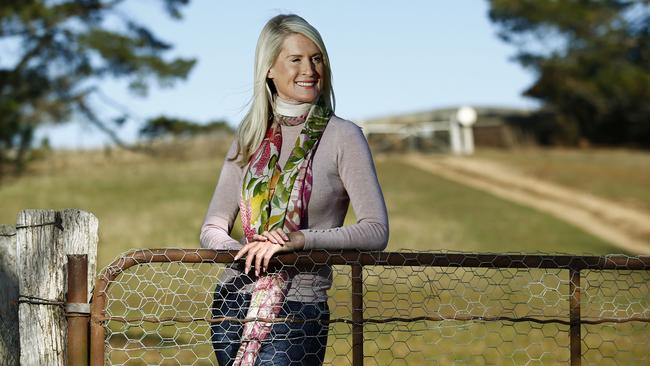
{"points": [[64, 49], [592, 62]]}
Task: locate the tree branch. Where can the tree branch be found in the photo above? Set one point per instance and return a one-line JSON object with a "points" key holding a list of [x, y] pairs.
{"points": [[92, 118]]}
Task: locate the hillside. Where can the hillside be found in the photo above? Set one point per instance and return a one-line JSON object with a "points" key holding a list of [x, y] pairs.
{"points": [[160, 201]]}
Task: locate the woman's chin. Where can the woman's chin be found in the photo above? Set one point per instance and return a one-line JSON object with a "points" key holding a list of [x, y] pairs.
{"points": [[310, 98]]}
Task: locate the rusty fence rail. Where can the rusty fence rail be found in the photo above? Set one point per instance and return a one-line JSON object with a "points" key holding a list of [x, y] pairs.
{"points": [[153, 307]]}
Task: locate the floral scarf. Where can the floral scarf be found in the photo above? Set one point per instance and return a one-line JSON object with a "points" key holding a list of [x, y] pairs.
{"points": [[274, 197]]}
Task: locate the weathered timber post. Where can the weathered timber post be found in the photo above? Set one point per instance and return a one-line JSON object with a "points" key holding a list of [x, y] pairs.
{"points": [[9, 337], [44, 238]]}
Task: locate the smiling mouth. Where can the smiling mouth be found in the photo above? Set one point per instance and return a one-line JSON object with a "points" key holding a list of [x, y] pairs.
{"points": [[307, 84]]}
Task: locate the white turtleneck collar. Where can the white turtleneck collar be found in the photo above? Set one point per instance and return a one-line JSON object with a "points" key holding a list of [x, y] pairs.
{"points": [[285, 108]]}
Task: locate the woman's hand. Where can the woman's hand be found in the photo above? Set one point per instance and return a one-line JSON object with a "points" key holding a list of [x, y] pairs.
{"points": [[264, 246], [277, 236]]}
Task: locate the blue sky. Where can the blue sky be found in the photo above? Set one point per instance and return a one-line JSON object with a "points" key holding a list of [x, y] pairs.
{"points": [[387, 58]]}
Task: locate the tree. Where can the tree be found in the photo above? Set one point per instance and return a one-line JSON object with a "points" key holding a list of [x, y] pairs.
{"points": [[592, 61], [65, 49], [163, 126]]}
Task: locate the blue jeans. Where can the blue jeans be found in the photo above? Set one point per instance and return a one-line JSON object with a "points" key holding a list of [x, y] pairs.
{"points": [[288, 344]]}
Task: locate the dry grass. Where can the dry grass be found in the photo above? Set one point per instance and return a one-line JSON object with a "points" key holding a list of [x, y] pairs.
{"points": [[145, 201], [617, 174]]}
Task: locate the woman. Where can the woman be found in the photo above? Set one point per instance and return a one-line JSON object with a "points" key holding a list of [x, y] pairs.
{"points": [[291, 174]]}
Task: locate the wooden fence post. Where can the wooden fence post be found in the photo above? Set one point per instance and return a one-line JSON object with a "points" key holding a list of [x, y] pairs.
{"points": [[44, 238], [9, 337]]}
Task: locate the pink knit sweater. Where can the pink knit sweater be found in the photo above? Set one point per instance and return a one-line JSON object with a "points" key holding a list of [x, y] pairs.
{"points": [[343, 173]]}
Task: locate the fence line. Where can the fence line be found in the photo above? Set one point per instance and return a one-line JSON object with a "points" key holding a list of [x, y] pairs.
{"points": [[391, 261], [594, 299]]}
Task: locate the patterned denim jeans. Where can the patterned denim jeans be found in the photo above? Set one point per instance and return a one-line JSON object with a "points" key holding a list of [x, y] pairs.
{"points": [[288, 344]]}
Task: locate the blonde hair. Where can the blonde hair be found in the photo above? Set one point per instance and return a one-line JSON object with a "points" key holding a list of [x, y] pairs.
{"points": [[253, 126]]}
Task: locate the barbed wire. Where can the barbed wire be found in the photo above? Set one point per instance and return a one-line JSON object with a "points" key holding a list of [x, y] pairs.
{"points": [[58, 223], [75, 312], [34, 300]]}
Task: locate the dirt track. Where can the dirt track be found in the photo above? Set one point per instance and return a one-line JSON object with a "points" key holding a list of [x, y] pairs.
{"points": [[624, 227]]}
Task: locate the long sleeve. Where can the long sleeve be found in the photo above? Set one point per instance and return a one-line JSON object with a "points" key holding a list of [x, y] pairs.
{"points": [[224, 206], [357, 172]]}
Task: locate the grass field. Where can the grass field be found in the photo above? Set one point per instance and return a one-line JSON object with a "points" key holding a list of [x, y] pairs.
{"points": [[620, 175], [429, 213], [160, 202]]}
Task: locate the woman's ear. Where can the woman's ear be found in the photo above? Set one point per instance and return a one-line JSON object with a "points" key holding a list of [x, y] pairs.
{"points": [[269, 74]]}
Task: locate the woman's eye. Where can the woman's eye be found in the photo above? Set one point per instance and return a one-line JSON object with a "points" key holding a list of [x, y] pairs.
{"points": [[317, 59], [295, 60]]}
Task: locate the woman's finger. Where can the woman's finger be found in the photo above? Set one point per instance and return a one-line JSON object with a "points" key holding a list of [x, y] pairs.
{"points": [[270, 237], [259, 237], [282, 234], [277, 237], [243, 251], [251, 255], [249, 259], [267, 257], [258, 259]]}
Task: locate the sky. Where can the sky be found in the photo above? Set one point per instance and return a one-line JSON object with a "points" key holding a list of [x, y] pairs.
{"points": [[387, 58]]}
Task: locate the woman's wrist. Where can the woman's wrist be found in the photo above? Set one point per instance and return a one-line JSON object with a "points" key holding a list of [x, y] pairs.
{"points": [[296, 240]]}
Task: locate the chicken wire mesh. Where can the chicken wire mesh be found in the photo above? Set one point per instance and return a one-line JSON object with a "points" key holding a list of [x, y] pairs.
{"points": [[158, 308]]}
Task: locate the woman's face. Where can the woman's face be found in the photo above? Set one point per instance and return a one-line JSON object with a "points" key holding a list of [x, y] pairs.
{"points": [[297, 71]]}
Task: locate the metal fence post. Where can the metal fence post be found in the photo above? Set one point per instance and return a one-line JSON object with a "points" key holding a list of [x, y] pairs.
{"points": [[357, 315], [574, 317], [77, 310]]}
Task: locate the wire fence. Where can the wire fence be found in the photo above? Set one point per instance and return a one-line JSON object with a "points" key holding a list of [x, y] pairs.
{"points": [[166, 307]]}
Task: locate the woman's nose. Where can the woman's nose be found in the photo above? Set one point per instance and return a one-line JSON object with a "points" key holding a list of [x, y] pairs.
{"points": [[308, 68]]}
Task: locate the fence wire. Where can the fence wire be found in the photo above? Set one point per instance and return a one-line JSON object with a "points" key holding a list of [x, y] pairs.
{"points": [[469, 309]]}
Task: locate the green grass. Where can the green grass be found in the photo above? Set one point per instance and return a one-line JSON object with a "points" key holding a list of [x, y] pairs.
{"points": [[160, 202], [148, 202], [431, 213], [144, 204], [617, 174]]}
